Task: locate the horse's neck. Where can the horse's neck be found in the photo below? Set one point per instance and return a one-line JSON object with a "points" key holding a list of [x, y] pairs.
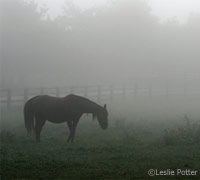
{"points": [[92, 108]]}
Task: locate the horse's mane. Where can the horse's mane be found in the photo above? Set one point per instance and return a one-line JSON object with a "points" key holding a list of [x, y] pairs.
{"points": [[86, 101]]}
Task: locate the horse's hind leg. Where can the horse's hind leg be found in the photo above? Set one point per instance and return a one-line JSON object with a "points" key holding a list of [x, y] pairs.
{"points": [[69, 123], [38, 127]]}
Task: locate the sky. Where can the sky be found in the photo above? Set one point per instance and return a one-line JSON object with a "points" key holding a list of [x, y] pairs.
{"points": [[180, 9], [164, 9], [130, 44]]}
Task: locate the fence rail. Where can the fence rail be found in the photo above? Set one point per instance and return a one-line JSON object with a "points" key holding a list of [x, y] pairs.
{"points": [[98, 93]]}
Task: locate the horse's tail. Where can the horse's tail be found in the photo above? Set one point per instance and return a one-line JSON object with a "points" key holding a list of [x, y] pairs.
{"points": [[29, 116]]}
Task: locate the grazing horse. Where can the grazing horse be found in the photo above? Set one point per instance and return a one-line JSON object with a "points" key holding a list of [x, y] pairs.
{"points": [[57, 110]]}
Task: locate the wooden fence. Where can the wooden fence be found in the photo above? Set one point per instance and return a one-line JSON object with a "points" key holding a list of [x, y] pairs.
{"points": [[97, 93]]}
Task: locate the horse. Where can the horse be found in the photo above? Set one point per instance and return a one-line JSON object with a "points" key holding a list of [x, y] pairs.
{"points": [[70, 108]]}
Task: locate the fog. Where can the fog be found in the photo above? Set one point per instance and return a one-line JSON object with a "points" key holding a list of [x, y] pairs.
{"points": [[117, 43], [138, 59]]}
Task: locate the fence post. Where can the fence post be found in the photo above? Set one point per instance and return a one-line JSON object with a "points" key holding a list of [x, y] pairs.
{"points": [[41, 91], [86, 91], [99, 93], [72, 90], [124, 91], [136, 89], [57, 92], [25, 95], [185, 89], [111, 93], [150, 90], [167, 89], [8, 98]]}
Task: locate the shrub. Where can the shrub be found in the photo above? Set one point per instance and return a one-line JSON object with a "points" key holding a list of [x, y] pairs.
{"points": [[6, 136], [187, 134]]}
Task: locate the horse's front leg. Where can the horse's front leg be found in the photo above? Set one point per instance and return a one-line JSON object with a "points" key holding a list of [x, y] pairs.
{"points": [[72, 126], [75, 122], [73, 130]]}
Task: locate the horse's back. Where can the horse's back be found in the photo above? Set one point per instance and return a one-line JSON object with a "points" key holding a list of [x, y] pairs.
{"points": [[46, 101], [47, 107], [49, 102]]}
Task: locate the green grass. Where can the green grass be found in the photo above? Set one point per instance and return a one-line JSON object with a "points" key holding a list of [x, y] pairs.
{"points": [[123, 151]]}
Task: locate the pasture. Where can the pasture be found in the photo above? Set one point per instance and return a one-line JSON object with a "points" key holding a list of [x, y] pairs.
{"points": [[138, 60], [131, 146]]}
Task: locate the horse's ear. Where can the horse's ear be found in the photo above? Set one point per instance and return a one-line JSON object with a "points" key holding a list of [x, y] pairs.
{"points": [[105, 106]]}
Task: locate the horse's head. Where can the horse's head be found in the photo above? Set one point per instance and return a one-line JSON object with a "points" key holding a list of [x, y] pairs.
{"points": [[102, 117]]}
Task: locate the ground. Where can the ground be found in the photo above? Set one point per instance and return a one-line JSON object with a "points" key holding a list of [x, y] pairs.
{"points": [[126, 150]]}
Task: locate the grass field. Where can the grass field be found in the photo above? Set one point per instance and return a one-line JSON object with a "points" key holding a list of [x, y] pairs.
{"points": [[126, 150]]}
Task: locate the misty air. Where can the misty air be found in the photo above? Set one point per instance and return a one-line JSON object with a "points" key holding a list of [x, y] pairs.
{"points": [[102, 89]]}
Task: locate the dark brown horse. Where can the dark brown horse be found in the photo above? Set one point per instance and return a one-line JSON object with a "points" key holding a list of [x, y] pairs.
{"points": [[57, 110]]}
